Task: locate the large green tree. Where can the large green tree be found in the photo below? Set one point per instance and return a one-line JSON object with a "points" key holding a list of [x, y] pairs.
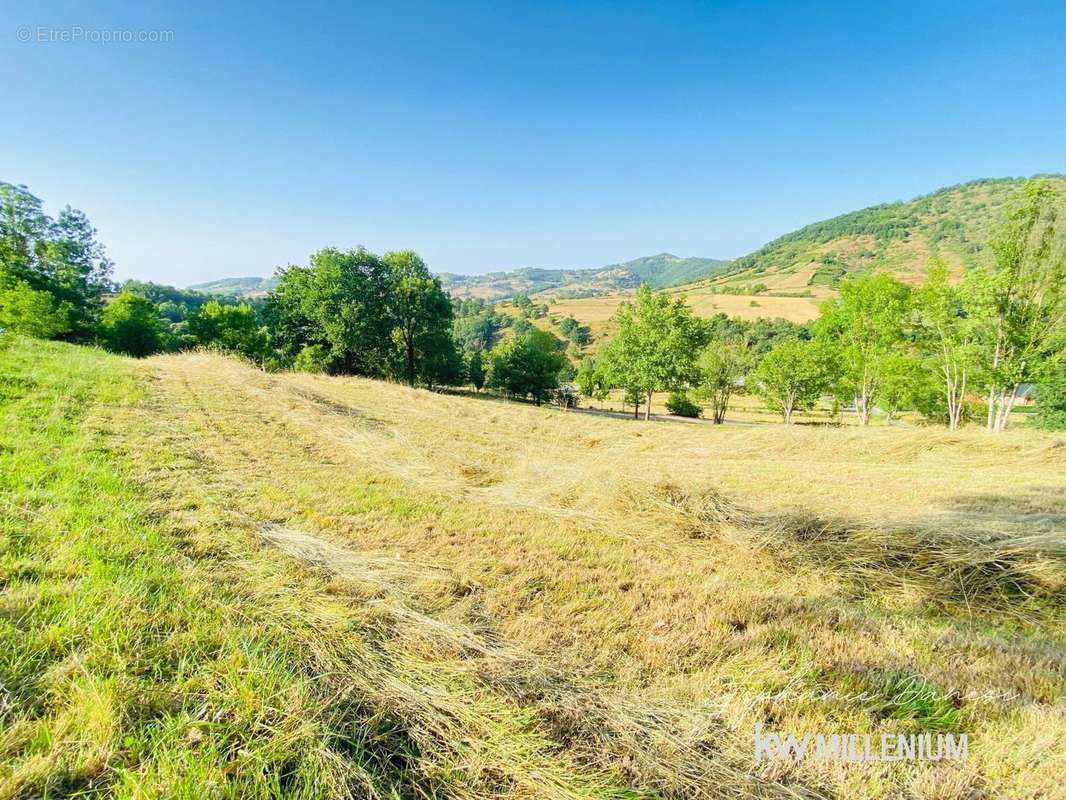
{"points": [[131, 325], [657, 346], [590, 379], [341, 306], [528, 365], [60, 257], [422, 322], [792, 376], [722, 368], [1018, 305], [865, 328], [944, 334]]}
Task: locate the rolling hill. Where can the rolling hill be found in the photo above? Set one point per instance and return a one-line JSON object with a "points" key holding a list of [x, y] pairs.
{"points": [[251, 286], [788, 277], [792, 275], [954, 224], [660, 271]]}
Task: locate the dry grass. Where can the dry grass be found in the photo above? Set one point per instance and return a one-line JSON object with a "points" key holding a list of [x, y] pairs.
{"points": [[677, 577], [470, 598]]}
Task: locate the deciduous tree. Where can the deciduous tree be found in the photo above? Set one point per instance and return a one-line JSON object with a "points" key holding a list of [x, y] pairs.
{"points": [[792, 376], [865, 327], [656, 347], [1018, 306]]}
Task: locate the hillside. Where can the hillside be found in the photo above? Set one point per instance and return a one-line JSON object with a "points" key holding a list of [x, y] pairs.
{"points": [[239, 287], [660, 271], [954, 224], [306, 586], [791, 276]]}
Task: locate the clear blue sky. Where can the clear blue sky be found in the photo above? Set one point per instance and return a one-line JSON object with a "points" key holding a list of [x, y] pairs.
{"points": [[492, 135]]}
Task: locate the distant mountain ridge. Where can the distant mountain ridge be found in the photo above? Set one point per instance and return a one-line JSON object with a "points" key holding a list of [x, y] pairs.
{"points": [[954, 224], [660, 271], [251, 286]]}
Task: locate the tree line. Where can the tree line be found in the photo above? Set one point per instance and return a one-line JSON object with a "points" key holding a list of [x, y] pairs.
{"points": [[879, 345]]}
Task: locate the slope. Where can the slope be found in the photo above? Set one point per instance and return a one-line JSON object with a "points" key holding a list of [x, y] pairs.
{"points": [[320, 598]]}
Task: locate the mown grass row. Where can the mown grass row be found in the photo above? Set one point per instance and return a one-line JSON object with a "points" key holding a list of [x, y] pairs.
{"points": [[141, 658]]}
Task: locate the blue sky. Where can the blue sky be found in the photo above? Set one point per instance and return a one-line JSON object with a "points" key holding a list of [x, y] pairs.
{"points": [[493, 135]]}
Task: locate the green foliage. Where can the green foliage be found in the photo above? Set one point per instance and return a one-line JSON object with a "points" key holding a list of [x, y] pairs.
{"points": [[722, 367], [60, 257], [793, 376], [527, 366], [864, 328], [475, 370], [341, 303], [679, 404], [174, 304], [1051, 401], [944, 334], [234, 329], [590, 379], [574, 332], [131, 325], [656, 347], [1019, 306], [32, 312], [421, 321], [314, 358], [476, 326]]}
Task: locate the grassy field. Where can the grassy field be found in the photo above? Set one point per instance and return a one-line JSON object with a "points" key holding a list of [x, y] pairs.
{"points": [[596, 312], [216, 582]]}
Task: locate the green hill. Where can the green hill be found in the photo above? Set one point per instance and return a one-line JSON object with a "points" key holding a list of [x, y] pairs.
{"points": [[954, 224], [660, 271], [240, 287]]}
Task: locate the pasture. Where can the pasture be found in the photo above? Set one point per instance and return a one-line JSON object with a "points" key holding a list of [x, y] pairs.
{"points": [[337, 587]]}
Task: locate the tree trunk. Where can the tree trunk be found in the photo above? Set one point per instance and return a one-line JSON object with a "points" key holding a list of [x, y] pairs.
{"points": [[1004, 405], [647, 408], [862, 409], [410, 345]]}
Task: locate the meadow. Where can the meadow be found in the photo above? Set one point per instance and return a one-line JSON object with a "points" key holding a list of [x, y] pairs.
{"points": [[220, 582]]}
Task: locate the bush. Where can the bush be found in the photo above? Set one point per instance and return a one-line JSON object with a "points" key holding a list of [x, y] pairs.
{"points": [[33, 313], [1051, 403], [312, 358], [679, 404], [131, 325]]}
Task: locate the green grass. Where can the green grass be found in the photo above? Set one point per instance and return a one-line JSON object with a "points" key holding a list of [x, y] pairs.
{"points": [[217, 582], [144, 656]]}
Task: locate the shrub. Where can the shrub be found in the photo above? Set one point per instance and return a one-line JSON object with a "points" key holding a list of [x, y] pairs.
{"points": [[1051, 403], [312, 358], [131, 325], [680, 405]]}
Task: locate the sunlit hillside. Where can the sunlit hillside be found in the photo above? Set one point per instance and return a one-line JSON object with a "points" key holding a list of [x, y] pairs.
{"points": [[792, 275], [217, 581]]}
